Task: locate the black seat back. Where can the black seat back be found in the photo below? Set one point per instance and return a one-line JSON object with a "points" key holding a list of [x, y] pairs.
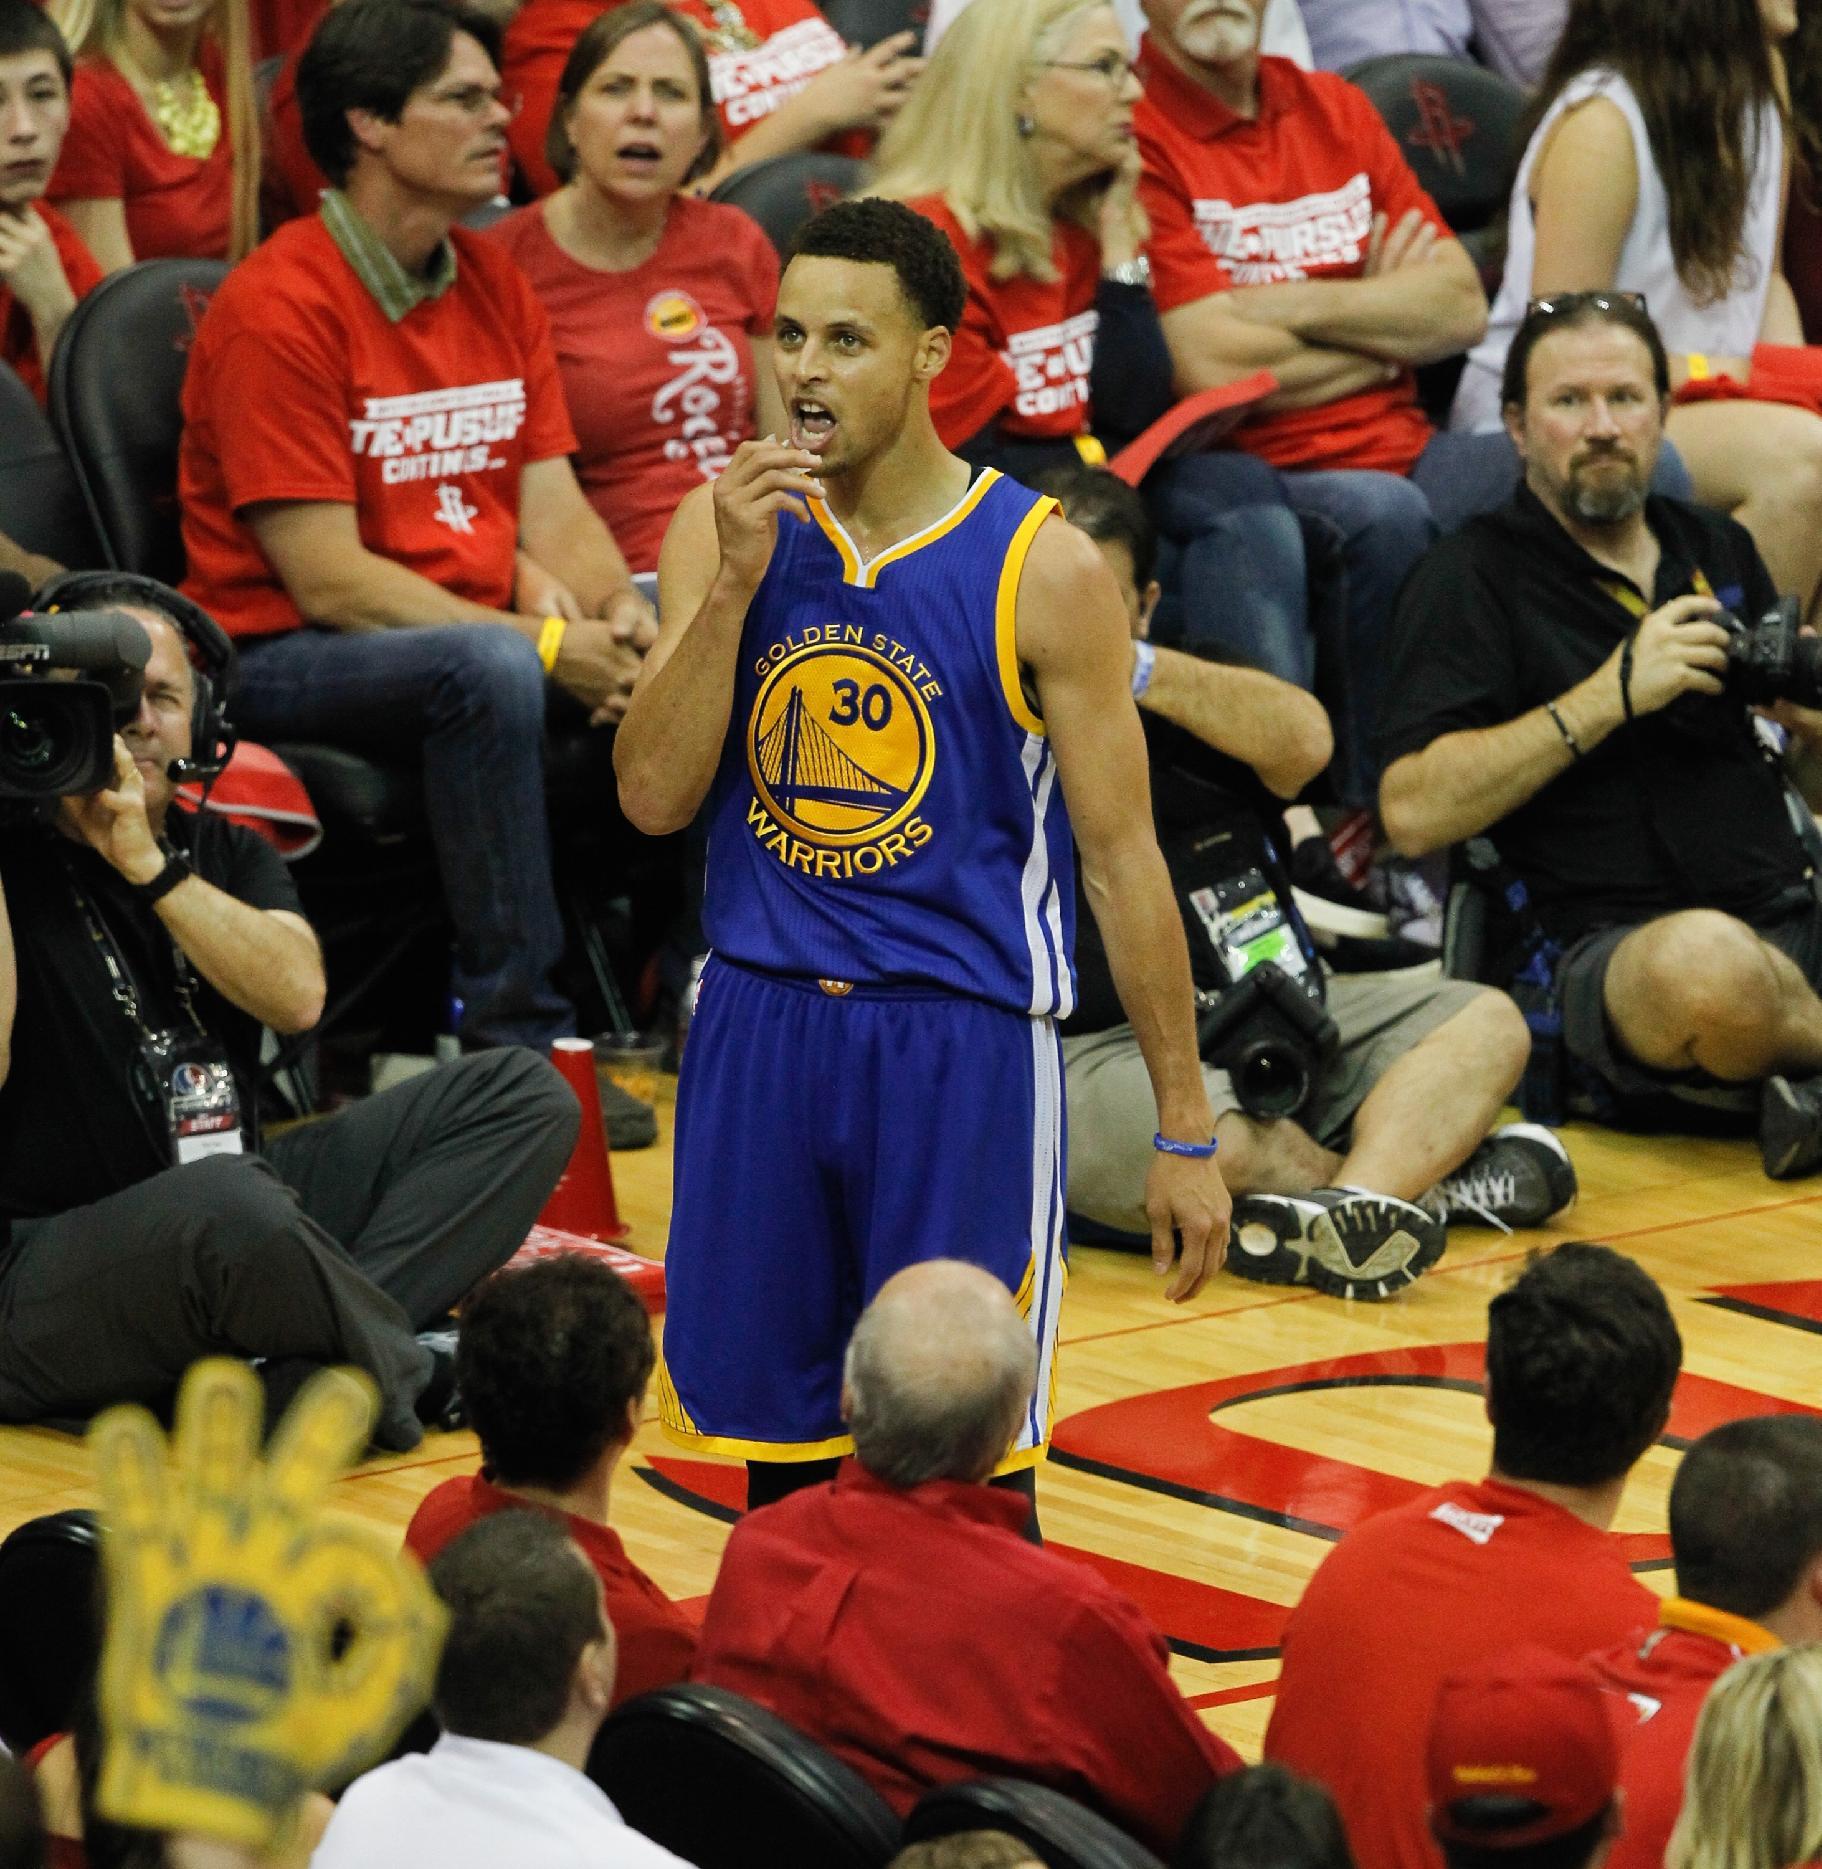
{"points": [[1457, 125], [782, 192], [50, 1624], [41, 503], [116, 399], [728, 1785], [1062, 1833], [866, 22]]}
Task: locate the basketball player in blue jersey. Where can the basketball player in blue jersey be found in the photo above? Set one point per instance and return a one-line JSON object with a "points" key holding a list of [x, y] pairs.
{"points": [[886, 674]]}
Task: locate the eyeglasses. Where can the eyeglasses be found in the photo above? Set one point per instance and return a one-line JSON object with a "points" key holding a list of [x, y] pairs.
{"points": [[1560, 304], [1112, 66], [477, 101]]}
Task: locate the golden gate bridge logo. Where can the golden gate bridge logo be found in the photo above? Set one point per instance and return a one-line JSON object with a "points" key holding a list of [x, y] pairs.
{"points": [[839, 744]]}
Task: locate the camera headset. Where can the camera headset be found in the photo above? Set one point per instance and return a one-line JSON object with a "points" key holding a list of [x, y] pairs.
{"points": [[206, 643]]}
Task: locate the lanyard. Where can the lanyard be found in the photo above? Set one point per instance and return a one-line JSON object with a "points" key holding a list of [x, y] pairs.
{"points": [[1630, 600], [120, 986]]}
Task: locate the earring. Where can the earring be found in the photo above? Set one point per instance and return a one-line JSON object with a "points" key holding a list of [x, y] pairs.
{"points": [[1025, 126]]}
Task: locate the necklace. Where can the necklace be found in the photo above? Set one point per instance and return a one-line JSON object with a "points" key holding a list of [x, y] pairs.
{"points": [[730, 33], [188, 118]]}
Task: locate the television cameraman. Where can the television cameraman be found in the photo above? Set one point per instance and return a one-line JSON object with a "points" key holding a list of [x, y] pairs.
{"points": [[143, 946], [1348, 1186], [1561, 678]]}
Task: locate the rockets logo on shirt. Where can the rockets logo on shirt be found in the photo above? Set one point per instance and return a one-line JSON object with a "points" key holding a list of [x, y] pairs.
{"points": [[439, 432], [695, 409], [750, 85], [1265, 242], [1053, 363]]}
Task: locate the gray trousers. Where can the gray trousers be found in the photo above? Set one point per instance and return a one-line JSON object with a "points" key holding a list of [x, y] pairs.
{"points": [[335, 1246]]}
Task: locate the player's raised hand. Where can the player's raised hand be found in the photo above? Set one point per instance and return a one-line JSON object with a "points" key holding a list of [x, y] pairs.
{"points": [[1190, 1211], [764, 479]]}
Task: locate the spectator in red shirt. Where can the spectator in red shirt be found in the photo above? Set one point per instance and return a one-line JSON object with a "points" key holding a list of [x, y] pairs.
{"points": [[1523, 1765], [781, 76], [660, 305], [1582, 1356], [896, 1614], [551, 1365], [44, 267], [1754, 1794], [377, 495], [1021, 149], [1746, 1531], [162, 156]]}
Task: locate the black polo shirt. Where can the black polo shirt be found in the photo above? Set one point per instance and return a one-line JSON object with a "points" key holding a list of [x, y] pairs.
{"points": [[72, 1128], [1678, 810]]}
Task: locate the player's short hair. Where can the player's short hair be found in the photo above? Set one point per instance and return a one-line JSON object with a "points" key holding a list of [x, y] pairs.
{"points": [[1265, 1817], [25, 27], [1571, 1850], [1567, 312], [372, 55], [523, 1605], [1582, 1356], [598, 43], [1097, 501], [550, 1358], [876, 232], [1746, 1513], [968, 1849]]}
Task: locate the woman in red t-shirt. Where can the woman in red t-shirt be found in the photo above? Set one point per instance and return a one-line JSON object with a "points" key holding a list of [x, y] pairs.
{"points": [[660, 306], [781, 77], [162, 155]]}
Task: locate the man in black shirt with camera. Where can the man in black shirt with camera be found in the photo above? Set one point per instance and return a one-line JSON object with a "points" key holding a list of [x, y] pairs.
{"points": [[1571, 676], [1348, 1151], [142, 948]]}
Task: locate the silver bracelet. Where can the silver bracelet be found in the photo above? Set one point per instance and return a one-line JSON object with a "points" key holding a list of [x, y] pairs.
{"points": [[1130, 272]]}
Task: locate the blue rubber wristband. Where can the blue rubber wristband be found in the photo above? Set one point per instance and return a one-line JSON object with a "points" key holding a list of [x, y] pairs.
{"points": [[1166, 1145]]}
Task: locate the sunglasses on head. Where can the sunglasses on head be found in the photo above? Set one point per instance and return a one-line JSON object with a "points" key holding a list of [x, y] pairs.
{"points": [[1559, 304]]}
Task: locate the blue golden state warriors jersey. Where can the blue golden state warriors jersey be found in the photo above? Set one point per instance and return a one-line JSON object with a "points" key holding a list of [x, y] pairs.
{"points": [[886, 811]]}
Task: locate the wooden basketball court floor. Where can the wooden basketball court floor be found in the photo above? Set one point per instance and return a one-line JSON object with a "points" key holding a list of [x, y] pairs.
{"points": [[1207, 1456]]}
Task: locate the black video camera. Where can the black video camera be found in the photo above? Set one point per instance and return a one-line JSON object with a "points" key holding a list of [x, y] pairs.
{"points": [[1772, 660], [1271, 1037], [57, 736]]}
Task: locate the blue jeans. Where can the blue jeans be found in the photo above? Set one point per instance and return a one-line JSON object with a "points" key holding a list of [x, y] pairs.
{"points": [[469, 698]]}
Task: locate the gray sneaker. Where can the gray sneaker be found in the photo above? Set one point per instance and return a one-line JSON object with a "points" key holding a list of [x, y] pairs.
{"points": [[1790, 1126], [629, 1123], [1344, 1241], [1519, 1177]]}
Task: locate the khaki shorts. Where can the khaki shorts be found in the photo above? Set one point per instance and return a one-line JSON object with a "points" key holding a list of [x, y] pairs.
{"points": [[1112, 1116]]}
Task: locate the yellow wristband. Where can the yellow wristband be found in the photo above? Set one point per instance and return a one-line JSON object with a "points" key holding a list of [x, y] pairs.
{"points": [[550, 641], [1698, 366]]}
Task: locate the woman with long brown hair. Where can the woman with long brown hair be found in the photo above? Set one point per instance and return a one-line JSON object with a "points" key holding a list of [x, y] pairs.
{"points": [[1657, 163], [162, 154]]}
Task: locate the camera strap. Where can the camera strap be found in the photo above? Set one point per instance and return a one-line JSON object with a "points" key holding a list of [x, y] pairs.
{"points": [[182, 1079]]}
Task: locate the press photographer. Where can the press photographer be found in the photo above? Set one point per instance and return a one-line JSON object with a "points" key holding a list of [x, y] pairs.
{"points": [[1574, 676], [143, 946], [1353, 1110]]}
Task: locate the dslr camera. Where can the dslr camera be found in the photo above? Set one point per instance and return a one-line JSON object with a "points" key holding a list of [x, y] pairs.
{"points": [[1271, 1035], [1772, 660], [68, 682]]}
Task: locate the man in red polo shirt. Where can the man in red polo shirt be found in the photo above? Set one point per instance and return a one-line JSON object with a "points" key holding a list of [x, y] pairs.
{"points": [[378, 502], [44, 267], [896, 1614], [1746, 1531], [551, 1367], [1582, 1356]]}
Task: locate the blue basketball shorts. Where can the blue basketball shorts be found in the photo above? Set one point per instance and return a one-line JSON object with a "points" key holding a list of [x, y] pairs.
{"points": [[828, 1137]]}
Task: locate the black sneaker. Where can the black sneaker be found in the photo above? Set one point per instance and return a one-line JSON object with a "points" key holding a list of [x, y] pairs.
{"points": [[439, 1404], [1519, 1177], [1344, 1241], [1327, 900], [1790, 1126], [629, 1123]]}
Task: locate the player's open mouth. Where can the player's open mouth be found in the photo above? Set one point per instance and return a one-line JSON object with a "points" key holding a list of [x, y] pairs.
{"points": [[811, 425]]}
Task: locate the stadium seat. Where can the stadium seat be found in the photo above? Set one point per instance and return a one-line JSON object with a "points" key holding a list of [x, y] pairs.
{"points": [[116, 386], [1062, 1833], [728, 1785], [866, 22], [782, 192], [1457, 125], [41, 503], [49, 1624]]}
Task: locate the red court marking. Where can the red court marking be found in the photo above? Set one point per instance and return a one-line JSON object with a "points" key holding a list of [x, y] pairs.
{"points": [[1226, 1696], [1794, 1298]]}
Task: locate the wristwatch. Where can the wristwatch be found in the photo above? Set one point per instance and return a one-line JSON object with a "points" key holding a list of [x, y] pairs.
{"points": [[176, 868], [1130, 272]]}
